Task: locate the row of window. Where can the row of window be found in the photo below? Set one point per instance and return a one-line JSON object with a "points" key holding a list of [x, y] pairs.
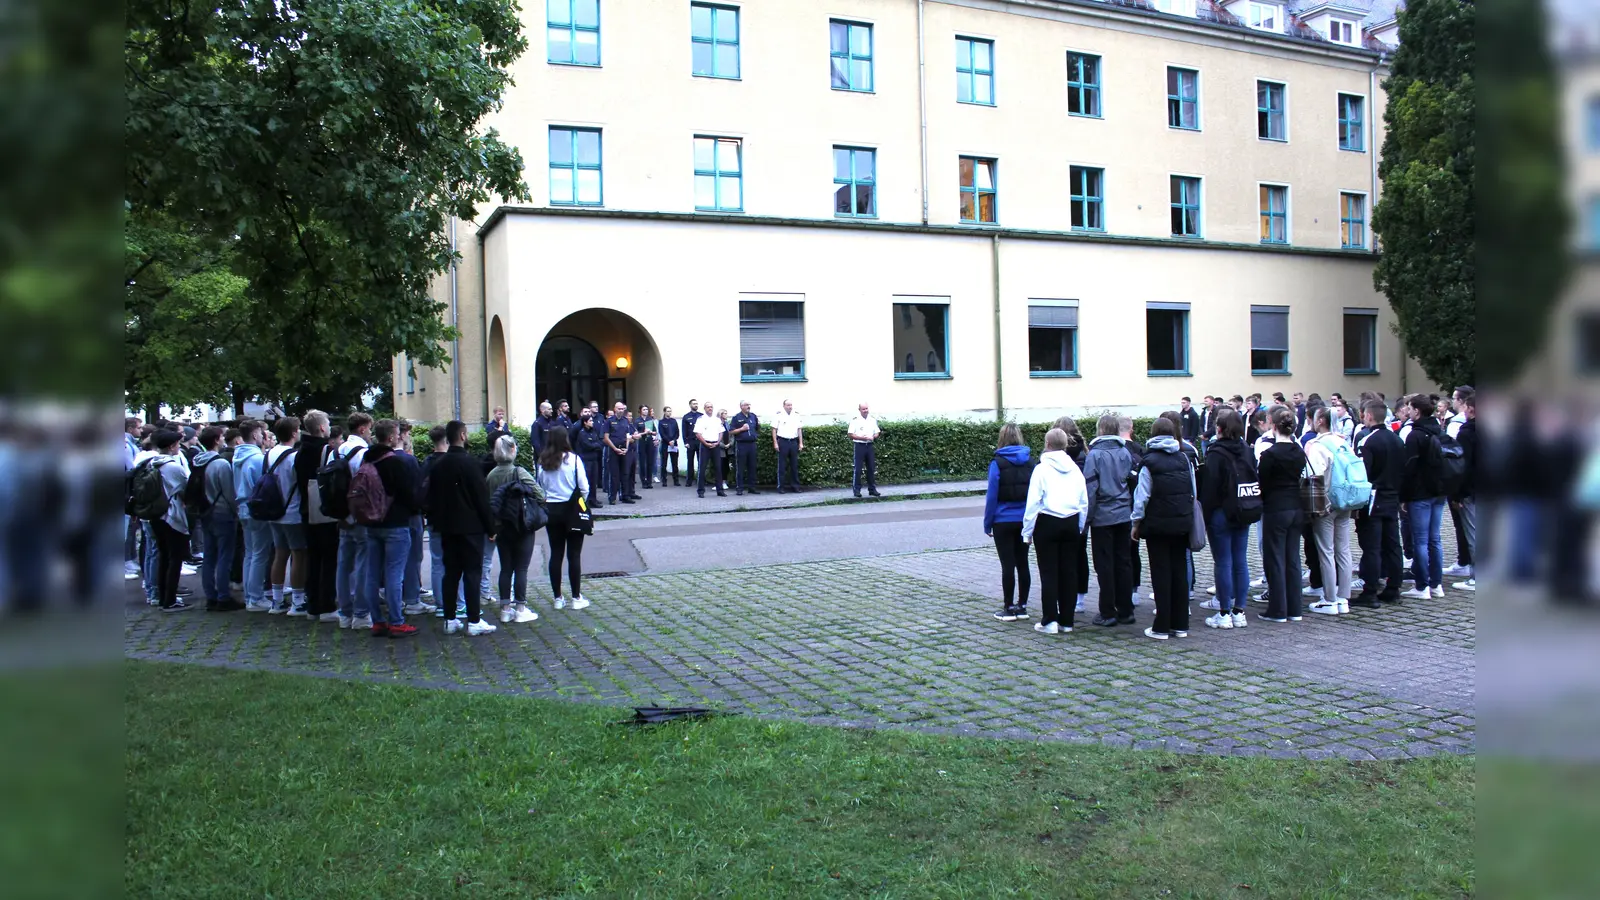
{"points": [[573, 37], [772, 339], [575, 180]]}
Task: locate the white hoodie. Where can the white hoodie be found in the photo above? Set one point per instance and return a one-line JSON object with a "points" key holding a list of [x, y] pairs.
{"points": [[1057, 488]]}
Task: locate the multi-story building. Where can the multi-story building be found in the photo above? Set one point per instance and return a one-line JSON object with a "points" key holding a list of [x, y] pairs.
{"points": [[940, 207]]}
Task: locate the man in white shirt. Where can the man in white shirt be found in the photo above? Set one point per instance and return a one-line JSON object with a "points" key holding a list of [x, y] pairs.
{"points": [[863, 432], [708, 431], [788, 440]]}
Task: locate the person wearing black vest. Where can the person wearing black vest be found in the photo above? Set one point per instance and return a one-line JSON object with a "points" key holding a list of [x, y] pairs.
{"points": [[591, 450], [691, 446], [1003, 505], [1280, 465], [1163, 515]]}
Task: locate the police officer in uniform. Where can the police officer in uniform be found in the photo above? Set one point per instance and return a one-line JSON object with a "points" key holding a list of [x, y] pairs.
{"points": [[745, 427], [668, 429], [787, 441], [708, 435], [618, 439], [691, 444]]}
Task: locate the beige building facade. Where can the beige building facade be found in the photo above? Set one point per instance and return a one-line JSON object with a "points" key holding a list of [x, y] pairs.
{"points": [[939, 208]]}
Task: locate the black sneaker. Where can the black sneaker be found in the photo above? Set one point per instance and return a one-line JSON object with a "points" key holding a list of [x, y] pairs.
{"points": [[625, 500], [228, 605], [177, 606], [1366, 602], [1108, 621], [1125, 620], [754, 491], [874, 494]]}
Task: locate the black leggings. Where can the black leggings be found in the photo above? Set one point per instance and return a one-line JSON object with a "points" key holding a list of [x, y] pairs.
{"points": [[463, 570], [1015, 577], [172, 547], [516, 552], [1055, 545], [564, 542]]}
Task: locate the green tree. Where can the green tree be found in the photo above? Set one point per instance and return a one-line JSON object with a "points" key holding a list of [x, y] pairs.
{"points": [[291, 167], [1425, 217]]}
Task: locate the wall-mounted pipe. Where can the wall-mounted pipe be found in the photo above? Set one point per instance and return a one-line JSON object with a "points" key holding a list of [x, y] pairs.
{"points": [[922, 107]]}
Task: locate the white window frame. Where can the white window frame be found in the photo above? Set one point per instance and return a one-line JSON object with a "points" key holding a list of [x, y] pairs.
{"points": [[1256, 11]]}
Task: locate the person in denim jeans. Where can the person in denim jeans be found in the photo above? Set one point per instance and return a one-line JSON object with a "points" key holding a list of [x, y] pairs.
{"points": [[218, 521], [1424, 502], [248, 460], [350, 578], [389, 541], [1227, 457]]}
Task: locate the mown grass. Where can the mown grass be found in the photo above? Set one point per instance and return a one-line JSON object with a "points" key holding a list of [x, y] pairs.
{"points": [[247, 784]]}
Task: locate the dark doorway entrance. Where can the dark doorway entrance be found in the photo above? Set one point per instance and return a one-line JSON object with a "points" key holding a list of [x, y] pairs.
{"points": [[571, 369]]}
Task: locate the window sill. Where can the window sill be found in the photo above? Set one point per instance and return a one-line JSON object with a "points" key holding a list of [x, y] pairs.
{"points": [[1275, 243], [1354, 149], [975, 103], [1088, 230], [1361, 371], [759, 379], [1272, 140], [1162, 374], [1188, 237], [1171, 127], [577, 205], [716, 77], [722, 212], [1270, 372], [983, 224], [1054, 375], [851, 90], [1352, 247], [840, 215], [1074, 115], [575, 65], [922, 376]]}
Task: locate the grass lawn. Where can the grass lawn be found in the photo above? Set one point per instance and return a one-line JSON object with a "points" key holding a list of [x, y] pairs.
{"points": [[247, 784]]}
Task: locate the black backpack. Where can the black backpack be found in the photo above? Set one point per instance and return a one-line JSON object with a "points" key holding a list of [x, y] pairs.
{"points": [[194, 493], [267, 502], [147, 494], [333, 487], [1447, 466], [516, 509], [1241, 497]]}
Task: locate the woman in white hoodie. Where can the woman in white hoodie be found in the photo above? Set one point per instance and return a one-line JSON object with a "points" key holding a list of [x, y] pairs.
{"points": [[1058, 501]]}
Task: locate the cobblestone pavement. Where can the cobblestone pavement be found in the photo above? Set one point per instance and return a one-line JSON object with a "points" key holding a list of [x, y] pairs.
{"points": [[908, 641], [667, 500]]}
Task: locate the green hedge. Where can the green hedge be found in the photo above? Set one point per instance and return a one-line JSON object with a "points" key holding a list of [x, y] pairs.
{"points": [[919, 450]]}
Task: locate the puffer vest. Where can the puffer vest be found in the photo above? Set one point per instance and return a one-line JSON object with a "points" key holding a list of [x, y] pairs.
{"points": [[1170, 509]]}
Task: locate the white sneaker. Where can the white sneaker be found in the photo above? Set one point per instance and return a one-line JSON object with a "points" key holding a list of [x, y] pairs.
{"points": [[427, 593], [131, 575], [1239, 621], [1406, 563], [1210, 604], [452, 626], [190, 570], [1309, 591], [1305, 574], [1260, 598], [1438, 592], [480, 627], [559, 603], [347, 621], [1220, 620], [1344, 606], [278, 608], [1213, 592], [1459, 571], [508, 613], [1471, 584], [418, 609], [524, 614], [299, 612], [362, 622], [1259, 582], [1417, 594], [1135, 598], [1079, 607], [1152, 633], [263, 606], [1046, 628], [579, 603], [1356, 584], [1325, 607], [330, 617]]}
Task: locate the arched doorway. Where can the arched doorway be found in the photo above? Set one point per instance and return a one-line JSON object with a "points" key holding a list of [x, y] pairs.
{"points": [[498, 384], [598, 354]]}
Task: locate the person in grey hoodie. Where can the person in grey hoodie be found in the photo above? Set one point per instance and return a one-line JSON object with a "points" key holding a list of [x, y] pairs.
{"points": [[218, 521], [1107, 473], [171, 530], [248, 461]]}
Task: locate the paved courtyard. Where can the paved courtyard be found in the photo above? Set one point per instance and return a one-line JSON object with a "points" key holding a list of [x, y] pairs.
{"points": [[804, 614]]}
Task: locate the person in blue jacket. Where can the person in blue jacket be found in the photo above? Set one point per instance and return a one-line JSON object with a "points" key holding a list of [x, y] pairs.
{"points": [[1004, 503]]}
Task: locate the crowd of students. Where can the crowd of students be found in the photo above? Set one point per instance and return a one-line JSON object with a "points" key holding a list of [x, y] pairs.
{"points": [[329, 523], [1288, 473]]}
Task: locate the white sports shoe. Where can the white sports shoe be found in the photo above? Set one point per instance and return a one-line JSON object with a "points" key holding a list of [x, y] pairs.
{"points": [[452, 626], [1407, 563], [362, 622], [346, 621], [418, 609], [1471, 584], [480, 627], [1210, 604], [299, 612], [1259, 582], [1309, 591], [1046, 628], [1239, 621], [1220, 620], [190, 570], [508, 613], [1325, 608], [1417, 594], [1344, 606], [1459, 571], [1438, 592], [331, 617], [559, 603], [579, 603], [524, 614], [1213, 592]]}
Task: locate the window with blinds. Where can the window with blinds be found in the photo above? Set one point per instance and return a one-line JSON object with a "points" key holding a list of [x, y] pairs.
{"points": [[1269, 340], [772, 340], [1052, 338]]}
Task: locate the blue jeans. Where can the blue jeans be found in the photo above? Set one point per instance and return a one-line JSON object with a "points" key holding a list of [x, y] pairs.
{"points": [[218, 561], [257, 557], [148, 564], [436, 570], [1229, 553], [387, 551], [350, 579], [1427, 569], [485, 587], [412, 592]]}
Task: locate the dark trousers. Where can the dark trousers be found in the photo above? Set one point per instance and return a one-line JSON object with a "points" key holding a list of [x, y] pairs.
{"points": [[617, 469], [647, 463], [516, 553], [1313, 559], [1113, 565], [1133, 555], [669, 457], [1463, 546], [236, 572], [1055, 543], [463, 570], [1379, 537], [723, 463], [630, 473], [744, 469], [710, 464], [691, 456], [866, 464], [591, 471], [1169, 580], [789, 461], [1082, 551], [172, 548], [564, 544], [322, 568], [1015, 577], [1280, 555]]}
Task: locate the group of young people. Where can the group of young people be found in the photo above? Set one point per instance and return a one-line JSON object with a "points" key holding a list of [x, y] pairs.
{"points": [[328, 523], [1305, 472]]}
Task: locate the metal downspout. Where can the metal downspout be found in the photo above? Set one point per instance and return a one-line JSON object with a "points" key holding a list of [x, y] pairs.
{"points": [[999, 378], [922, 107], [455, 318]]}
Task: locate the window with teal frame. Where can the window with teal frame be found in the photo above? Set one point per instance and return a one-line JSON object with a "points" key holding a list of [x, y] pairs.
{"points": [[1353, 221], [1183, 98], [1088, 201], [975, 71], [1166, 327], [575, 167], [1083, 85], [979, 195], [1185, 206], [922, 332], [714, 33], [1352, 122], [718, 174], [1269, 340], [1274, 214], [772, 340], [1271, 124], [1052, 338], [572, 32], [850, 49], [855, 179]]}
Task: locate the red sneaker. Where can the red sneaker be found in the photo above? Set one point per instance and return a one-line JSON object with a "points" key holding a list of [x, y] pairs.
{"points": [[400, 631], [380, 629]]}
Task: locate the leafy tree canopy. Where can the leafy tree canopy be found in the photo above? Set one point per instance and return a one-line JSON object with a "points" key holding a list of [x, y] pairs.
{"points": [[291, 166]]}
